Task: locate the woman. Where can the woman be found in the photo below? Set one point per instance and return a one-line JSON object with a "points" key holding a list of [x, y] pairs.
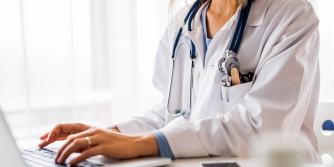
{"points": [[280, 45]]}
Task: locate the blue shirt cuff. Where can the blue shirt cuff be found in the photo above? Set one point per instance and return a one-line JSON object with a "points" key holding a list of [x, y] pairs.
{"points": [[163, 144]]}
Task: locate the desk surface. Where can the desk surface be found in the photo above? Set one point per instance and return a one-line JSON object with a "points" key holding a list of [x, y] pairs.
{"points": [[194, 162], [186, 162]]}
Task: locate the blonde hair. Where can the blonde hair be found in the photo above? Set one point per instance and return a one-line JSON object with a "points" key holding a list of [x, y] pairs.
{"points": [[234, 5]]}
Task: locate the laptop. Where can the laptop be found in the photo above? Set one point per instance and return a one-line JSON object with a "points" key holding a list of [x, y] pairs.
{"points": [[10, 155]]}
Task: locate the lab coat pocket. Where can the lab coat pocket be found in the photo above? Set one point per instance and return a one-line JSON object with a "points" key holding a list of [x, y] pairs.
{"points": [[234, 95]]}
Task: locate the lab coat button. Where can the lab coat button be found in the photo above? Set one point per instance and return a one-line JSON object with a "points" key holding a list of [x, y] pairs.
{"points": [[196, 74]]}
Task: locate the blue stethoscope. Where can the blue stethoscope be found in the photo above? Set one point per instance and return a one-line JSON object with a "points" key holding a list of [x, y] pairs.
{"points": [[224, 65]]}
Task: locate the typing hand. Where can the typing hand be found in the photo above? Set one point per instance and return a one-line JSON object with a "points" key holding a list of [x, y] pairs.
{"points": [[61, 132], [95, 141]]}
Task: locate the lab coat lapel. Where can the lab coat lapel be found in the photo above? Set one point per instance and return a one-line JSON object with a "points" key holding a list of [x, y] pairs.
{"points": [[197, 38], [196, 35], [257, 12], [256, 17]]}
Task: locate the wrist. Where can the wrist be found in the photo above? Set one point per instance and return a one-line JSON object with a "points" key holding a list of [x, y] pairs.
{"points": [[148, 145], [115, 130]]}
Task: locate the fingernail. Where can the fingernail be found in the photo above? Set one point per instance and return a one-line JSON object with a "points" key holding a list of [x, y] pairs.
{"points": [[59, 160], [71, 162]]}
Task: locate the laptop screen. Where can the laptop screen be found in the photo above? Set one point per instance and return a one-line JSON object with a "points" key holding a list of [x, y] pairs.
{"points": [[9, 153]]}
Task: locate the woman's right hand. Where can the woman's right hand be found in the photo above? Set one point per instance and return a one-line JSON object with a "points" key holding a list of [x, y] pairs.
{"points": [[61, 132]]}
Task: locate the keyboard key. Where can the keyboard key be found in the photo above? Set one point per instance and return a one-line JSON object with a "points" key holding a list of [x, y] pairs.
{"points": [[42, 157]]}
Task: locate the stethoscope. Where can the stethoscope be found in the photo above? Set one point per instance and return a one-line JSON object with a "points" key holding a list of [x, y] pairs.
{"points": [[224, 65]]}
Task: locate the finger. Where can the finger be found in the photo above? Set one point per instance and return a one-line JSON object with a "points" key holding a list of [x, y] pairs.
{"points": [[86, 154], [53, 133], [44, 136], [76, 145], [94, 141], [63, 138], [86, 133], [60, 128], [42, 144], [71, 139], [45, 142]]}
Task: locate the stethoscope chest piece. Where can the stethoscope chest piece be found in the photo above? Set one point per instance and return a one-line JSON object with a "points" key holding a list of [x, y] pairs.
{"points": [[231, 62], [183, 113], [226, 65], [221, 64]]}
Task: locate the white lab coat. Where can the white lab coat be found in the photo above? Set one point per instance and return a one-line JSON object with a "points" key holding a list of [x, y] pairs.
{"points": [[280, 44]]}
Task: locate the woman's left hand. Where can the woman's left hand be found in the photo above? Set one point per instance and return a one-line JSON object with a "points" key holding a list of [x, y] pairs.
{"points": [[108, 143]]}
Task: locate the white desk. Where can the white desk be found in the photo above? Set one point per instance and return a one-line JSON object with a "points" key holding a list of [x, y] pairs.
{"points": [[187, 162], [194, 162]]}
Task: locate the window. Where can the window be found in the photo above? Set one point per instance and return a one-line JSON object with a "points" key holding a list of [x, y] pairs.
{"points": [[87, 60], [77, 61], [326, 28]]}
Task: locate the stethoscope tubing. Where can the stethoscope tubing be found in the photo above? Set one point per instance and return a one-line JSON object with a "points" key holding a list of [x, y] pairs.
{"points": [[196, 4], [192, 49], [240, 28], [233, 48], [171, 83]]}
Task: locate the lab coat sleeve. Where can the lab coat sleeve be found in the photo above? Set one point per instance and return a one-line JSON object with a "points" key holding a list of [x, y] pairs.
{"points": [[276, 102]]}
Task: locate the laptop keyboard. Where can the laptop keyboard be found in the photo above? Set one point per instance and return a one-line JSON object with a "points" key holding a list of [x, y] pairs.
{"points": [[42, 157]]}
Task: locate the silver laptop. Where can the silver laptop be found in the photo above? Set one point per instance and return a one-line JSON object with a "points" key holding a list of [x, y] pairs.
{"points": [[10, 155]]}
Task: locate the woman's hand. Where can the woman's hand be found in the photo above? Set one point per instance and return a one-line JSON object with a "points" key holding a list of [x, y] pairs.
{"points": [[115, 130], [61, 132], [108, 143]]}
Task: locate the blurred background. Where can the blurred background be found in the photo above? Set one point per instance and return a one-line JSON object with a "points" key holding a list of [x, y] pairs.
{"points": [[91, 61]]}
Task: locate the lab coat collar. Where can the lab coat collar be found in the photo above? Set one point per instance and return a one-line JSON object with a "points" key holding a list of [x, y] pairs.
{"points": [[255, 18], [196, 35], [257, 12], [197, 38]]}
